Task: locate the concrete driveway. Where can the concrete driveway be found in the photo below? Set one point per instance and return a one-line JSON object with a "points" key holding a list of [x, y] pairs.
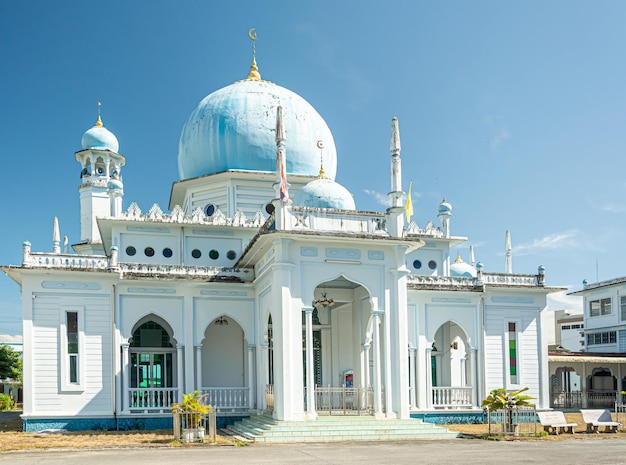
{"points": [[597, 451]]}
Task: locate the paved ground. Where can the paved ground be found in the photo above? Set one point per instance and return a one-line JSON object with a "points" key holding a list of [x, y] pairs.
{"points": [[465, 451]]}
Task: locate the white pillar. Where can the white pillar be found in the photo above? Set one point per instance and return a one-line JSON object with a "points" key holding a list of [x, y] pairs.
{"points": [[125, 377], [412, 380], [311, 412], [199, 367], [366, 369], [263, 377], [378, 410], [429, 377], [251, 376], [179, 364], [474, 376]]}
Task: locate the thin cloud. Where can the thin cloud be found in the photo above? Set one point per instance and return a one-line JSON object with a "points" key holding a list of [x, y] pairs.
{"points": [[497, 140], [562, 301], [380, 198], [613, 208], [556, 241]]}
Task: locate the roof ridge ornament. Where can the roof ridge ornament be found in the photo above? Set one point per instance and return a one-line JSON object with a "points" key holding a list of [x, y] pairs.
{"points": [[254, 74], [322, 175]]}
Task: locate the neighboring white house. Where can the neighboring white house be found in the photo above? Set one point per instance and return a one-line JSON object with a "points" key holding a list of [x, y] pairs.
{"points": [[263, 286], [569, 330]]}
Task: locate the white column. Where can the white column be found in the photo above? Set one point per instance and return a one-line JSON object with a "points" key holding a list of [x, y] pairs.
{"points": [[366, 369], [125, 377], [378, 410], [311, 412], [474, 376], [199, 368], [263, 377], [250, 376], [412, 380], [429, 377], [179, 364]]}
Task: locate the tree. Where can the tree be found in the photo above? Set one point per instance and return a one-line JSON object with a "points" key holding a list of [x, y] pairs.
{"points": [[10, 363]]}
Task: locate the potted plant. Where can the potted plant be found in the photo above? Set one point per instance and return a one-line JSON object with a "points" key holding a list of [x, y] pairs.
{"points": [[192, 410], [499, 399]]}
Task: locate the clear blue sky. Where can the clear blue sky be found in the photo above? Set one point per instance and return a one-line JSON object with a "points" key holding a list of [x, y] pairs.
{"points": [[514, 111]]}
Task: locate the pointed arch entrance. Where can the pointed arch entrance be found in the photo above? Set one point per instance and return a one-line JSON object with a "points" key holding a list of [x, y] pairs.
{"points": [[152, 367], [450, 368]]}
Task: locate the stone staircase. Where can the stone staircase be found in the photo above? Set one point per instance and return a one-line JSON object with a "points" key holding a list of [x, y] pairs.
{"points": [[264, 429]]}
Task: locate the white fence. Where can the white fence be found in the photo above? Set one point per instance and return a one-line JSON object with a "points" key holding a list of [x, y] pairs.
{"points": [[452, 397], [516, 420], [151, 400], [227, 399]]}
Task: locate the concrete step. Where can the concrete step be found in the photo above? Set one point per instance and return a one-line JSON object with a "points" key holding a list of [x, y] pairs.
{"points": [[326, 429]]}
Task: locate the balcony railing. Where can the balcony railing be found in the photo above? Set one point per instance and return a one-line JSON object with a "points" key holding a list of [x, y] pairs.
{"points": [[579, 399], [151, 400], [452, 397], [227, 399], [343, 400]]}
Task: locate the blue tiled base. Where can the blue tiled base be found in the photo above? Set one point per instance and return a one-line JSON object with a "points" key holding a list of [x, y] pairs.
{"points": [[32, 425], [450, 418]]}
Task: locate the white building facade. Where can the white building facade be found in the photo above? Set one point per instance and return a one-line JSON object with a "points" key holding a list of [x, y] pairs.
{"points": [[264, 287]]}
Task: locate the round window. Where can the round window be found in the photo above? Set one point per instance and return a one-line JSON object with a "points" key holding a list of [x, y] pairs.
{"points": [[417, 264], [195, 253], [214, 254], [432, 265], [149, 251], [167, 252], [130, 250], [209, 209], [231, 254]]}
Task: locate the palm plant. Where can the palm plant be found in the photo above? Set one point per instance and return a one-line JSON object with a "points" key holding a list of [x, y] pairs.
{"points": [[193, 406], [500, 399]]}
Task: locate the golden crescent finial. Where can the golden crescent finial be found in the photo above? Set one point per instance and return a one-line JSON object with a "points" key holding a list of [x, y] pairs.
{"points": [[99, 122], [254, 74], [252, 33]]}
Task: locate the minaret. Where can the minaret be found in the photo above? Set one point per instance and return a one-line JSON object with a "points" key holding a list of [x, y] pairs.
{"points": [[444, 214], [471, 254], [396, 210], [56, 237], [98, 159], [508, 264]]}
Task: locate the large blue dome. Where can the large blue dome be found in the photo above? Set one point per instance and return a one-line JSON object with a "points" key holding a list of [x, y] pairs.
{"points": [[234, 129]]}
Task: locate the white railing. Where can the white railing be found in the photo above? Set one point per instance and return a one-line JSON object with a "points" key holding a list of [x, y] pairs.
{"points": [[321, 219], [452, 397], [515, 420], [227, 399], [151, 400], [50, 260], [510, 279]]}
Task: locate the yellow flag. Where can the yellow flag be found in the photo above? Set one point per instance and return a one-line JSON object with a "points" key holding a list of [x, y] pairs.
{"points": [[409, 204]]}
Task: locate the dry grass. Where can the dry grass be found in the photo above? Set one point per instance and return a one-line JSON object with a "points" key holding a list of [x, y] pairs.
{"points": [[481, 430], [12, 438]]}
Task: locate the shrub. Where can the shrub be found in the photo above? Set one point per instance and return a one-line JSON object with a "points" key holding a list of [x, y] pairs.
{"points": [[6, 403]]}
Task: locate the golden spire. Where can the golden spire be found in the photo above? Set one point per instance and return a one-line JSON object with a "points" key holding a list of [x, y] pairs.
{"points": [[458, 258], [254, 74], [99, 122], [322, 175]]}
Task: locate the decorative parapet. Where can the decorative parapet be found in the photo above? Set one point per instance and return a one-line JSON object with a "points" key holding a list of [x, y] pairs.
{"points": [[50, 260], [177, 215], [505, 279], [483, 279], [345, 221], [210, 273], [429, 230]]}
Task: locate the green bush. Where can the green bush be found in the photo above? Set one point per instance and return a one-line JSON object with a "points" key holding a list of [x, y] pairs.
{"points": [[6, 403]]}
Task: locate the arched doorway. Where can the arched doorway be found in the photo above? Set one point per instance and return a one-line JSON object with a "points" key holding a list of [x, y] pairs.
{"points": [[450, 369], [224, 372], [152, 367], [565, 388]]}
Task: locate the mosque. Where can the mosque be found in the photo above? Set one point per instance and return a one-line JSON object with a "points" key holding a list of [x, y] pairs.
{"points": [[265, 288]]}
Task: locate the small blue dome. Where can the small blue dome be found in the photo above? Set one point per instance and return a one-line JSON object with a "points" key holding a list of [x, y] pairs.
{"points": [[445, 207], [460, 268], [234, 128], [324, 193], [99, 138], [115, 184]]}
